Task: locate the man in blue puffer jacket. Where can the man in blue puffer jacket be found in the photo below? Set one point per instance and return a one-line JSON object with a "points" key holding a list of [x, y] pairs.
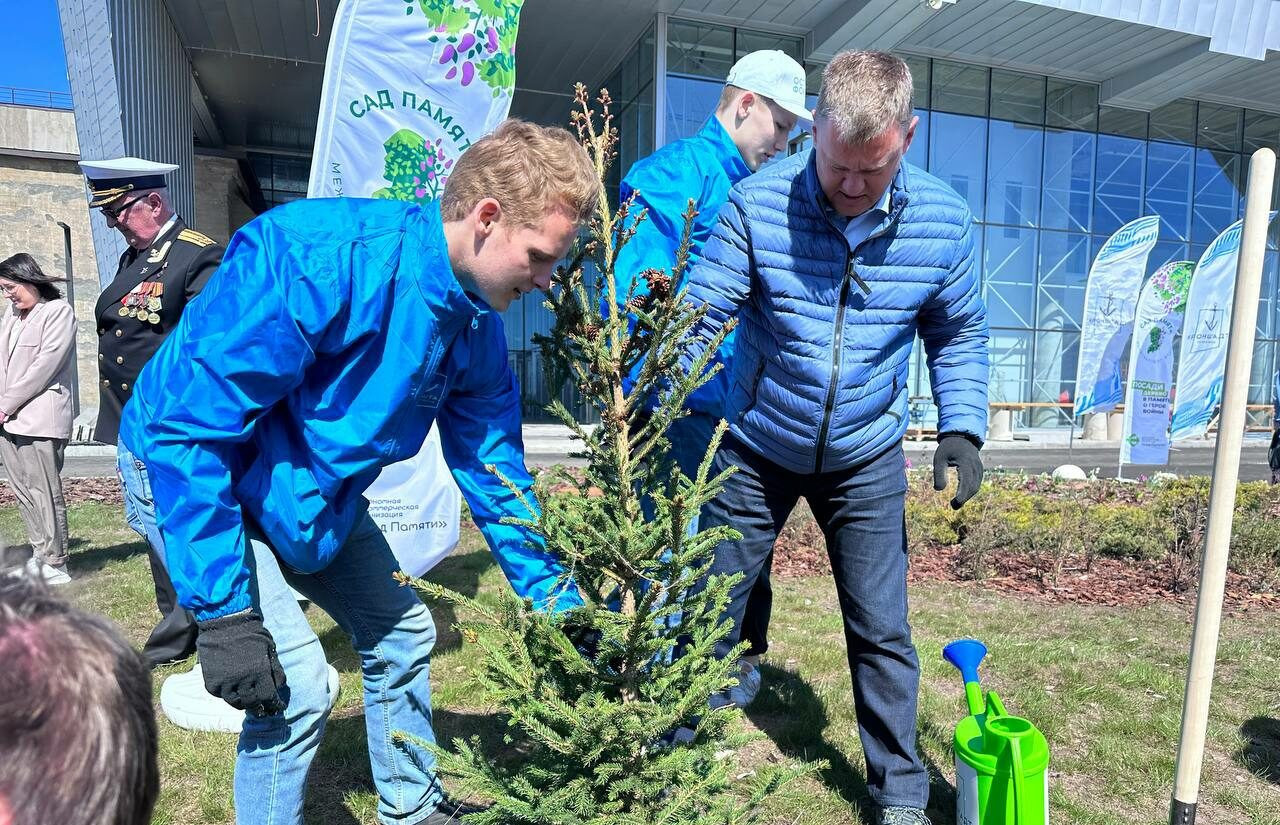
{"points": [[331, 337], [762, 99], [833, 261]]}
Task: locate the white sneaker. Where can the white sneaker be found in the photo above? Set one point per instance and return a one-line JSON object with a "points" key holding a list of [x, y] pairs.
{"points": [[36, 569], [188, 705], [744, 693], [741, 694]]}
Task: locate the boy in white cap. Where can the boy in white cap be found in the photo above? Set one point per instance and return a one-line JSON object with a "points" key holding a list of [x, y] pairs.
{"points": [[763, 98]]}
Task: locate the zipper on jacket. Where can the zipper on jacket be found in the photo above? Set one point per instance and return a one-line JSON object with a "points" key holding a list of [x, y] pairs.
{"points": [[853, 273], [893, 394], [850, 274], [836, 352]]}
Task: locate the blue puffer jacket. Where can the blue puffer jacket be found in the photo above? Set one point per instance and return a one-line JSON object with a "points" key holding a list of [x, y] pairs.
{"points": [[332, 336], [825, 331]]}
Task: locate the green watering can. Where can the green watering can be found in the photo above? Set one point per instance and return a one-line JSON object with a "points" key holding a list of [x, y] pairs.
{"points": [[1002, 761]]}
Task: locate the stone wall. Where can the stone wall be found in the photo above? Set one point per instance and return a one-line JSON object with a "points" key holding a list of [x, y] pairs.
{"points": [[30, 189], [39, 176]]}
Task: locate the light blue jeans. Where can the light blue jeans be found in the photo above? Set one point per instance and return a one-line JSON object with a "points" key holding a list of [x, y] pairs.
{"points": [[393, 635], [174, 638]]}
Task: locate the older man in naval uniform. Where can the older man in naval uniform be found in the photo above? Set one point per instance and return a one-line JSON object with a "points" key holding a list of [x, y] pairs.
{"points": [[164, 267]]}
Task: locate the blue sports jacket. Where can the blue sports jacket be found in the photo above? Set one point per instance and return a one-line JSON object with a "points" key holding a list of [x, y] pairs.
{"points": [[825, 331], [702, 168], [331, 337]]}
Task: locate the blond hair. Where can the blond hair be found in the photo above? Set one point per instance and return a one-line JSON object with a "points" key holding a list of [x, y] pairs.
{"points": [[864, 93], [529, 169]]}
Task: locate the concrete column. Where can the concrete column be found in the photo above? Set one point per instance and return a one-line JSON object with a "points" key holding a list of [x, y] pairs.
{"points": [[1115, 426], [1095, 427], [1000, 427], [131, 86]]}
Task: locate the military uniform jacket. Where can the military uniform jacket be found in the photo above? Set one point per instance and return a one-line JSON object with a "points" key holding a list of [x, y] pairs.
{"points": [[139, 308]]}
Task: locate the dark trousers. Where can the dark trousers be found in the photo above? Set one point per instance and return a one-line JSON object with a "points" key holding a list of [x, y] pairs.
{"points": [[689, 437], [174, 638], [861, 511]]}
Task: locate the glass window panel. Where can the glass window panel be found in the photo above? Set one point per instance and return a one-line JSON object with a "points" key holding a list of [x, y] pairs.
{"points": [[1016, 96], [919, 67], [1068, 180], [1126, 122], [1065, 258], [1219, 127], [918, 151], [1010, 353], [690, 101], [813, 77], [957, 155], [1057, 354], [1174, 121], [262, 168], [1166, 252], [1169, 188], [1009, 274], [1072, 105], [1217, 194], [1013, 173], [1267, 297], [1260, 380], [749, 41], [1261, 129], [1119, 189], [959, 88], [699, 49]]}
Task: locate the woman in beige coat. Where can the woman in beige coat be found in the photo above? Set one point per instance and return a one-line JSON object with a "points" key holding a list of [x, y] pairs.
{"points": [[37, 332]]}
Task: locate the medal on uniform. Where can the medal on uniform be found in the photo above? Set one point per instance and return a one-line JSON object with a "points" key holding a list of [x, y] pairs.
{"points": [[154, 303]]}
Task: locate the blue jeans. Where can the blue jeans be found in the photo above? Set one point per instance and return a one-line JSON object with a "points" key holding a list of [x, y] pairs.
{"points": [[862, 514], [689, 438], [174, 638], [393, 635]]}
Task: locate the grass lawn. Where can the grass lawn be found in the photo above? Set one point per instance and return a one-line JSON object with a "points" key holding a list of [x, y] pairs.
{"points": [[1104, 685]]}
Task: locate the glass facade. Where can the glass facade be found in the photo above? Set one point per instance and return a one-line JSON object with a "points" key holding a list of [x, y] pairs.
{"points": [[1049, 175], [282, 178]]}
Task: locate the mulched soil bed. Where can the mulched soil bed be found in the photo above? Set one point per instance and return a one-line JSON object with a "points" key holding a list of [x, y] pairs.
{"points": [[75, 491], [802, 552]]}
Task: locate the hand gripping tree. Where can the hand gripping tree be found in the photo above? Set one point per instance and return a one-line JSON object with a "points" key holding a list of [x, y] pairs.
{"points": [[596, 694]]}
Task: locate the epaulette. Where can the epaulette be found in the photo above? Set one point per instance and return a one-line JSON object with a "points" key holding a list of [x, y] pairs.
{"points": [[193, 237]]}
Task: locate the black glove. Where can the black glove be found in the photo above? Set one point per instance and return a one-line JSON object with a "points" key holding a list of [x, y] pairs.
{"points": [[238, 658], [960, 451]]}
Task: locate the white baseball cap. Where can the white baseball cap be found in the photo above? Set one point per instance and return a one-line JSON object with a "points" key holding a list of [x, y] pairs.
{"points": [[774, 74]]}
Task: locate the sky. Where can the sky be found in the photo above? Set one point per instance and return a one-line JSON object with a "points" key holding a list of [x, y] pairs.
{"points": [[31, 45]]}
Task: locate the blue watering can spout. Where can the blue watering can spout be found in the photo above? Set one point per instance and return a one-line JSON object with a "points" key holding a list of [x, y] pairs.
{"points": [[966, 655]]}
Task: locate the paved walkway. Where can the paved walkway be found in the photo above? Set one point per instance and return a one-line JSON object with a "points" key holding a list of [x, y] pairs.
{"points": [[547, 444]]}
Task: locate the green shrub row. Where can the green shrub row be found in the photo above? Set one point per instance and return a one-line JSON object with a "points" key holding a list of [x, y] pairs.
{"points": [[1051, 521]]}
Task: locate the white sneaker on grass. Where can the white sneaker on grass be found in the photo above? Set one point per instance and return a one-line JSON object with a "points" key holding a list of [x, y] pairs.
{"points": [[36, 569], [748, 686], [744, 693], [188, 705]]}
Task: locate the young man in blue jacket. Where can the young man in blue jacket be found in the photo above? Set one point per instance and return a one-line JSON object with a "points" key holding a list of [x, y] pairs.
{"points": [[331, 337], [762, 99], [833, 261]]}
